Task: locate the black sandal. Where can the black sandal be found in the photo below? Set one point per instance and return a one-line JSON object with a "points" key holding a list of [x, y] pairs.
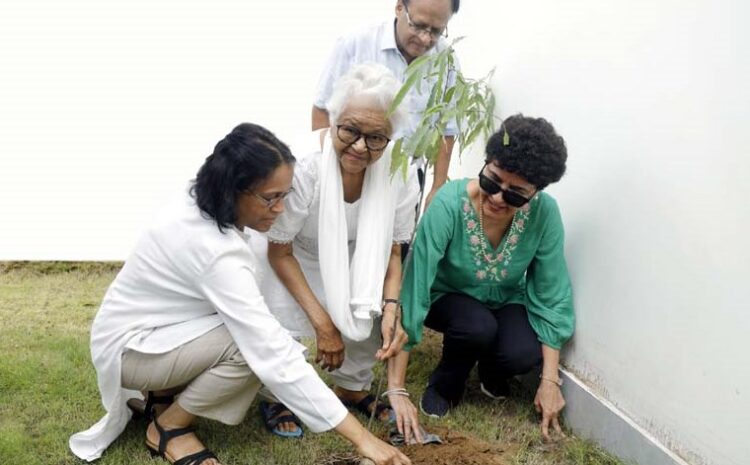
{"points": [[145, 408], [363, 407], [166, 436]]}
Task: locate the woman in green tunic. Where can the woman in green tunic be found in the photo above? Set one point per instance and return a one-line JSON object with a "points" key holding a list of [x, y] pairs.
{"points": [[488, 271]]}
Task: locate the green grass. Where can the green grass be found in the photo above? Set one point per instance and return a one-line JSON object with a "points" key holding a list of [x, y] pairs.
{"points": [[48, 388]]}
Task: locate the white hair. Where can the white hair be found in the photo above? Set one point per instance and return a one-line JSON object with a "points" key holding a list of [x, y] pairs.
{"points": [[372, 80]]}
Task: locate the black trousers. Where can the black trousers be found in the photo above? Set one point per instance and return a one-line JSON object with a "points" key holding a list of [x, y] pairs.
{"points": [[501, 341]]}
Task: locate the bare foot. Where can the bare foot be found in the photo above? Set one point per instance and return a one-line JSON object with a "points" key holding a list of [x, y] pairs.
{"points": [[285, 426], [179, 446]]}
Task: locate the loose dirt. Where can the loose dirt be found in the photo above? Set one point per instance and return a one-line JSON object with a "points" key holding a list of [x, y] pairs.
{"points": [[458, 449]]}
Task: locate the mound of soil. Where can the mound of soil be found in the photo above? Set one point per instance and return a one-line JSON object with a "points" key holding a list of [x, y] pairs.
{"points": [[459, 449]]}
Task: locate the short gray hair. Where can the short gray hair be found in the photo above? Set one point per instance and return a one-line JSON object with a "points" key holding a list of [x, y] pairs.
{"points": [[374, 80]]}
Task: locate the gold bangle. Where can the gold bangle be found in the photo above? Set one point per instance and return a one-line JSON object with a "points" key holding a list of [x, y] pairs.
{"points": [[557, 381]]}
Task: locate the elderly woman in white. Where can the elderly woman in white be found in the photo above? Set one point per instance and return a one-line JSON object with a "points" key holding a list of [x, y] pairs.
{"points": [[336, 249], [185, 315]]}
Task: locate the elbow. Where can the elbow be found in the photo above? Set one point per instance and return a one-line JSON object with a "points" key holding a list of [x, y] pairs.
{"points": [[278, 254]]}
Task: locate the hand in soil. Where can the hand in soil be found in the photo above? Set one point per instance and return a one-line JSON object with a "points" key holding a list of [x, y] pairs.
{"points": [[549, 402], [407, 418], [381, 453]]}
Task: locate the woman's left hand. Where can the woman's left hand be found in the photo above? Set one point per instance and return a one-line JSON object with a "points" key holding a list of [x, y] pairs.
{"points": [[549, 402], [407, 418], [393, 341]]}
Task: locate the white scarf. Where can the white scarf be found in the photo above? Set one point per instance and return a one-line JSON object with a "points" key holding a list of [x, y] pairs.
{"points": [[354, 293]]}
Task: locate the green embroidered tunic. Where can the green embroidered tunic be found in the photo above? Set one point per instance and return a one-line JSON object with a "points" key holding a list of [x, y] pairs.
{"points": [[527, 267]]}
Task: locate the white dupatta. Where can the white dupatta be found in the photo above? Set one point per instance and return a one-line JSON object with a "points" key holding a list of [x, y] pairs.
{"points": [[354, 291]]}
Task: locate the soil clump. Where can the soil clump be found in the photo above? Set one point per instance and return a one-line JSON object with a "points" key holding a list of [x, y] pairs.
{"points": [[459, 449]]}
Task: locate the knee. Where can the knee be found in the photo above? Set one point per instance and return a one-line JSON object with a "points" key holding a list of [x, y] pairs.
{"points": [[519, 359], [234, 361], [479, 333]]}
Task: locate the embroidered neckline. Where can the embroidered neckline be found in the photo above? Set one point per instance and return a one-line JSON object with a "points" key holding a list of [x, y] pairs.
{"points": [[493, 264], [485, 240]]}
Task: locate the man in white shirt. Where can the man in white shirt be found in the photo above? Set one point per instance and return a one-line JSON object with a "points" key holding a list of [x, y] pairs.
{"points": [[419, 28]]}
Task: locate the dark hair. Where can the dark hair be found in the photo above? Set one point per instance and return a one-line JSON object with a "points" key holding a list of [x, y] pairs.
{"points": [[532, 149], [241, 160], [455, 4]]}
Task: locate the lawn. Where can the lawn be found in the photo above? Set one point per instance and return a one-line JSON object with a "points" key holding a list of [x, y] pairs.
{"points": [[48, 389]]}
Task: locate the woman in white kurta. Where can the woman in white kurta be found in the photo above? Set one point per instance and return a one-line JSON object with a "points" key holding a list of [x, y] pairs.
{"points": [[336, 249], [189, 290]]}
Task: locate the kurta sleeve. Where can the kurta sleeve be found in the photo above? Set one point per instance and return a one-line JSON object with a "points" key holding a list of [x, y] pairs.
{"points": [[277, 359], [338, 63], [297, 203], [548, 290], [406, 208], [434, 234]]}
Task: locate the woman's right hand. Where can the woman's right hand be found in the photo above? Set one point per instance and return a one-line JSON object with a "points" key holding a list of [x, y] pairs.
{"points": [[368, 445], [330, 354], [380, 452]]}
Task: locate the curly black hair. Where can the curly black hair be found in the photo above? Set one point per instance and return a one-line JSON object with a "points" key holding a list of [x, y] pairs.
{"points": [[531, 149], [243, 159]]}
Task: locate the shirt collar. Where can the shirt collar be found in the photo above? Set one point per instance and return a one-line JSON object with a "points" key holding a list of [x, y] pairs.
{"points": [[388, 36]]}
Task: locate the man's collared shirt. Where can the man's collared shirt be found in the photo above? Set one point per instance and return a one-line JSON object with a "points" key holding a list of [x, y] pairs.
{"points": [[377, 44]]}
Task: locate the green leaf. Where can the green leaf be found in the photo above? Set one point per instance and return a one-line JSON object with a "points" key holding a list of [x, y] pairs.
{"points": [[448, 96], [456, 40], [452, 96], [396, 155], [402, 93]]}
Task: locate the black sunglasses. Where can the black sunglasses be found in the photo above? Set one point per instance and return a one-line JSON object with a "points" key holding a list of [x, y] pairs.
{"points": [[514, 199]]}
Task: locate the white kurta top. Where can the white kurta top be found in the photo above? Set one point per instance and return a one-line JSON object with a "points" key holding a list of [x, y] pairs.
{"points": [[299, 225], [183, 279]]}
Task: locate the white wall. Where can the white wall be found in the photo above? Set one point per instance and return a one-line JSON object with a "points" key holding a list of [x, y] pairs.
{"points": [[652, 98], [106, 108]]}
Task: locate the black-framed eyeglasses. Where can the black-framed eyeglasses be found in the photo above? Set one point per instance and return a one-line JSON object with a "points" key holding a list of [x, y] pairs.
{"points": [[512, 198], [350, 135], [422, 29], [271, 201]]}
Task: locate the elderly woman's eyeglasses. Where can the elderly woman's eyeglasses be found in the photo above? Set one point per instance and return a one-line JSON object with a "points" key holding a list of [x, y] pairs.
{"points": [[350, 135], [514, 199], [423, 29], [271, 201]]}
